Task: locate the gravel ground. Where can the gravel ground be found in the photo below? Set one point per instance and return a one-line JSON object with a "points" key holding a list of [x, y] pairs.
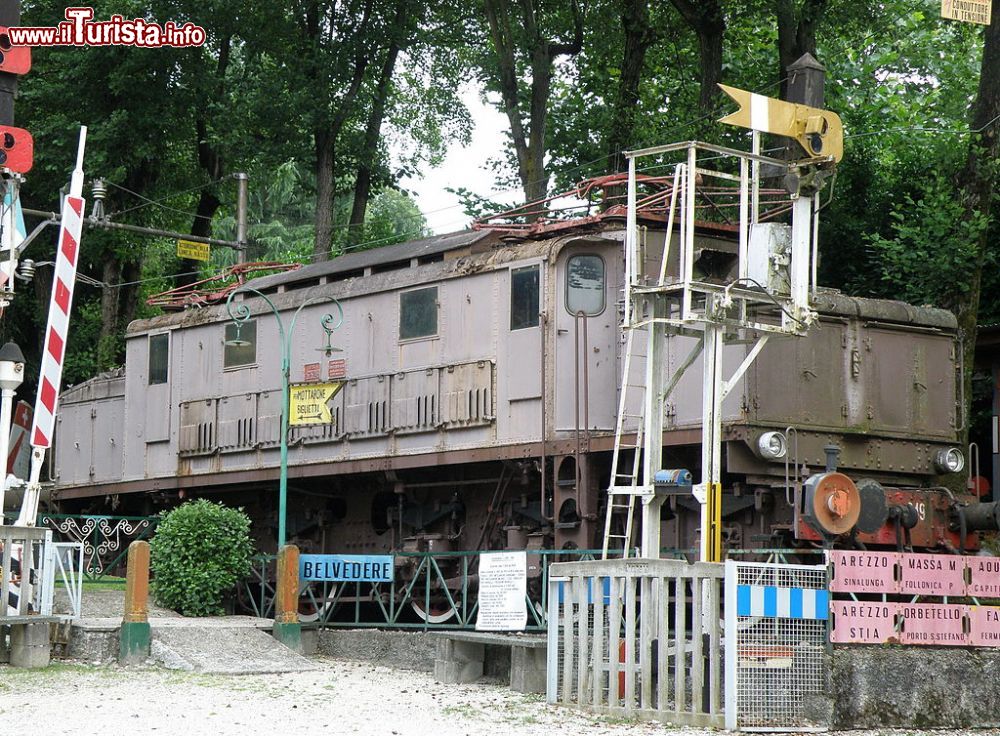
{"points": [[340, 697]]}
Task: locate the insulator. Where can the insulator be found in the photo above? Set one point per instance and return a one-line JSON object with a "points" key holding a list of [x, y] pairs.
{"points": [[99, 190], [26, 270]]}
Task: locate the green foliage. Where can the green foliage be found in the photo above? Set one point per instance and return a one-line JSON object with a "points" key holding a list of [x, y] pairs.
{"points": [[201, 550], [934, 246]]}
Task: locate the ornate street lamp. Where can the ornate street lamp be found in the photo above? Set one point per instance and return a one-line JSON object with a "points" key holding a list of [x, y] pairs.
{"points": [[11, 376], [240, 314]]}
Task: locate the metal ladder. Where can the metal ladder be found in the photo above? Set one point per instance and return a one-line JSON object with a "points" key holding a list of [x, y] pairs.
{"points": [[625, 486]]}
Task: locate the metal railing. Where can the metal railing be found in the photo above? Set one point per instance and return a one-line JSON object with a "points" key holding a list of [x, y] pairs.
{"points": [[105, 540], [429, 591]]}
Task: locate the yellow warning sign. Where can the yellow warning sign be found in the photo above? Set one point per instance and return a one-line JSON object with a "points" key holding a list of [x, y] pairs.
{"points": [[970, 11], [309, 403], [192, 250]]}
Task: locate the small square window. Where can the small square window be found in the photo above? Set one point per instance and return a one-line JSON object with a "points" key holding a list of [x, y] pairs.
{"points": [[524, 297], [418, 313], [159, 358], [240, 344]]}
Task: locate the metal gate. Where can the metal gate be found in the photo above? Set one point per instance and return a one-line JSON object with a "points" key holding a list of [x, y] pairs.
{"points": [[637, 638], [776, 646]]}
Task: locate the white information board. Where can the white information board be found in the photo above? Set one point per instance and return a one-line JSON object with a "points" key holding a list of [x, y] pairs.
{"points": [[503, 586]]}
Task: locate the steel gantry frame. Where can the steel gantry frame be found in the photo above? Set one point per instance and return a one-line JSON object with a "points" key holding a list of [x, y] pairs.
{"points": [[662, 304]]}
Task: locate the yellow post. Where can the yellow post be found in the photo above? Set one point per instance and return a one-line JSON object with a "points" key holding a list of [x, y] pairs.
{"points": [[287, 628], [135, 633], [715, 523]]}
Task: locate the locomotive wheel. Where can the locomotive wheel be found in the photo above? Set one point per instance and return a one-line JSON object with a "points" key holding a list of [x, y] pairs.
{"points": [[316, 607], [438, 612]]}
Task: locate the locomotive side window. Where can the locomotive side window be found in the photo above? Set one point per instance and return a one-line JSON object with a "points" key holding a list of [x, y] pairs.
{"points": [[159, 358], [585, 285], [524, 297], [240, 345], [418, 314]]}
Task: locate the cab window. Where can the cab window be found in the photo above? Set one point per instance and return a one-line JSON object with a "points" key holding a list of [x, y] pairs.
{"points": [[585, 285], [159, 358], [524, 284], [240, 345], [418, 313]]}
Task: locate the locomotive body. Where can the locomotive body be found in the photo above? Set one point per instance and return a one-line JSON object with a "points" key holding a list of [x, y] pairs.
{"points": [[480, 382]]}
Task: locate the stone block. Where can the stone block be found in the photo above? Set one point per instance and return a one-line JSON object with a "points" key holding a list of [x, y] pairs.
{"points": [[527, 669], [29, 645], [457, 673], [458, 661]]}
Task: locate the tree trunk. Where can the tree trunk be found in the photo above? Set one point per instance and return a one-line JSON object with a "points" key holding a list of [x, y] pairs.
{"points": [[977, 183], [796, 33], [324, 195], [529, 144], [212, 163], [363, 179], [709, 23], [638, 38], [330, 121], [110, 310]]}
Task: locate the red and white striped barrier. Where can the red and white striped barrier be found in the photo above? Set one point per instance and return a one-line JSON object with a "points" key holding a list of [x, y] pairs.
{"points": [[56, 332]]}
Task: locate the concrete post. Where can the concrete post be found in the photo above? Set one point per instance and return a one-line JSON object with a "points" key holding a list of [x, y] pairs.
{"points": [[287, 628], [135, 634]]}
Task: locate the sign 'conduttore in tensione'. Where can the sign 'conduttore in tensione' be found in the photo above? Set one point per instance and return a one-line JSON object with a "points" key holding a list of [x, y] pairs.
{"points": [[346, 568]]}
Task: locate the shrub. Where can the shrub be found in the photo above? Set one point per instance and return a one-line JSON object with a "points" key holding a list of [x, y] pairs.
{"points": [[201, 550]]}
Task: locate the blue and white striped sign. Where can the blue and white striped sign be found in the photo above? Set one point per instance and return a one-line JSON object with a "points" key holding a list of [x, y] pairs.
{"points": [[771, 601]]}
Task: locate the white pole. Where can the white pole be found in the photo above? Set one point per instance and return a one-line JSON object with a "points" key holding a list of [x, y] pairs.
{"points": [[6, 404]]}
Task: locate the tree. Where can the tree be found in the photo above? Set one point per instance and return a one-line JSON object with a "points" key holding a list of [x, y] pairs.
{"points": [[520, 42], [709, 23], [977, 183], [797, 23]]}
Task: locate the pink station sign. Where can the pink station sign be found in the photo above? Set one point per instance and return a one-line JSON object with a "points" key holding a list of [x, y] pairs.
{"points": [[863, 622], [984, 577], [907, 574], [938, 575], [863, 572], [933, 624], [984, 625]]}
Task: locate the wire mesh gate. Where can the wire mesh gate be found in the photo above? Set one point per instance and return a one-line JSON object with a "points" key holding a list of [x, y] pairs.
{"points": [[776, 645]]}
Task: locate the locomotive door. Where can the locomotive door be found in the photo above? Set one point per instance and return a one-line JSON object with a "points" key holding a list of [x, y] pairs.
{"points": [[520, 358]]}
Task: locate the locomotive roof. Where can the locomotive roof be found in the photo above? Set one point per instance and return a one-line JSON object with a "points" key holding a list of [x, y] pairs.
{"points": [[433, 248]]}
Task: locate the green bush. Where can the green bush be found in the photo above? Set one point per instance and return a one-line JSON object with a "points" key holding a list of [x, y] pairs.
{"points": [[201, 550]]}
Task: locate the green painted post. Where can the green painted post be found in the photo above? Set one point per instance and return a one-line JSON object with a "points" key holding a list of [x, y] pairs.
{"points": [[240, 313], [287, 628], [134, 635], [283, 479]]}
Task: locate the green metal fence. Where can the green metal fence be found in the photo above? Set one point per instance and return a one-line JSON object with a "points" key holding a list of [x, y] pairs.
{"points": [[429, 591]]}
